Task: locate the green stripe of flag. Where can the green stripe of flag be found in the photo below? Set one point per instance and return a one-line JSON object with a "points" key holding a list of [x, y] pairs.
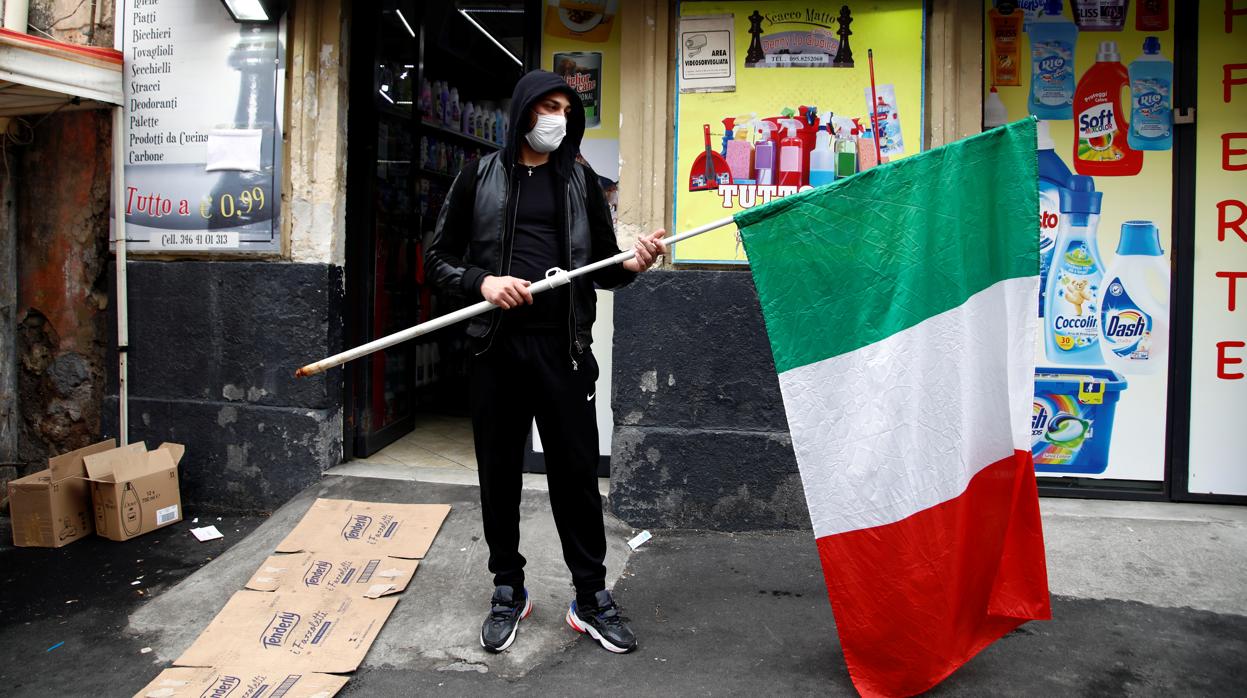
{"points": [[843, 266]]}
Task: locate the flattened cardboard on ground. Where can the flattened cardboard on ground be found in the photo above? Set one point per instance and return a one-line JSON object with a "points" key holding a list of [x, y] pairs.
{"points": [[369, 577], [295, 631], [134, 490], [52, 507], [241, 682], [372, 529]]}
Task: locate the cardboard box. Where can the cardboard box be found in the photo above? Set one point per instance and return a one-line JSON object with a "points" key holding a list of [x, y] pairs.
{"points": [[134, 490], [366, 529], [52, 507], [306, 631], [368, 577], [241, 682]]}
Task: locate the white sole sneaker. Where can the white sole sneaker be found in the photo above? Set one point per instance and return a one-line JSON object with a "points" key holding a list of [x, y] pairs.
{"points": [[586, 629], [528, 609]]}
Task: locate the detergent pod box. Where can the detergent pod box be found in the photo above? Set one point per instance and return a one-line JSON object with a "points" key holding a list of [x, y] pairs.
{"points": [[52, 507], [1072, 419], [135, 490]]}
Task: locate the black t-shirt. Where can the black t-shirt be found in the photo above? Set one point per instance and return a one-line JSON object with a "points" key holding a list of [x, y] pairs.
{"points": [[538, 246]]}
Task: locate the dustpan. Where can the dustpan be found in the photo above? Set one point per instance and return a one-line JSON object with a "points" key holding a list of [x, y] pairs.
{"points": [[709, 169]]}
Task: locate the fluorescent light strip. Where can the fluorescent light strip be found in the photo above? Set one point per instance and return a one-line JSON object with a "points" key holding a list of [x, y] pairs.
{"points": [[248, 10], [491, 38], [405, 24]]}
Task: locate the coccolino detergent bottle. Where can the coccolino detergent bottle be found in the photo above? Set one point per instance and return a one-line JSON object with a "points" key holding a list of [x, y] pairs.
{"points": [[1072, 318], [1052, 38], [1134, 302], [1053, 177], [1151, 108]]}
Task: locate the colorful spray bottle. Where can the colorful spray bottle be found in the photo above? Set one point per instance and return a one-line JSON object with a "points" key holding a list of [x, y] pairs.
{"points": [[739, 152], [845, 147], [822, 159], [791, 156], [764, 156], [1071, 318]]}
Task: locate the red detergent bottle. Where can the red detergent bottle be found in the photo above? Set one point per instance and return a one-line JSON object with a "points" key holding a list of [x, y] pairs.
{"points": [[1101, 147]]}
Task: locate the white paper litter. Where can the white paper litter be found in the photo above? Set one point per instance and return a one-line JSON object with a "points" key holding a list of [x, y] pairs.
{"points": [[206, 533], [145, 650], [378, 590], [639, 539]]}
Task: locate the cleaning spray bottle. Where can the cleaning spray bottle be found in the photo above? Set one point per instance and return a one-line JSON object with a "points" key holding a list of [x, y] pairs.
{"points": [[1071, 319], [846, 147], [739, 153], [791, 160], [764, 154], [1134, 304], [1151, 111], [867, 156], [728, 126], [822, 159], [1100, 146]]}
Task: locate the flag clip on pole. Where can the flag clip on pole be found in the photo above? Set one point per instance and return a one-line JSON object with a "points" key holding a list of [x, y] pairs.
{"points": [[554, 278]]}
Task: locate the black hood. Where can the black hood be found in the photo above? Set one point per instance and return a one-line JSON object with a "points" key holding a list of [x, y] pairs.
{"points": [[528, 90]]}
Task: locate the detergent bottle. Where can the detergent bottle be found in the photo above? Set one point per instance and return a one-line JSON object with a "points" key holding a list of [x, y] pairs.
{"points": [[846, 147], [822, 159], [1134, 303], [1100, 146], [1151, 110], [1071, 318], [1052, 38], [764, 154], [1053, 177], [791, 156]]}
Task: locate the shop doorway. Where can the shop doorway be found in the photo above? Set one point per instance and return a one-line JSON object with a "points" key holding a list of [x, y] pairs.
{"points": [[429, 82]]}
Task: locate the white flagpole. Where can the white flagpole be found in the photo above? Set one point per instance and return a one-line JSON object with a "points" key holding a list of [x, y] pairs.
{"points": [[554, 278]]}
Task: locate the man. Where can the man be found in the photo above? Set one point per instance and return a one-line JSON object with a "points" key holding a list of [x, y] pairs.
{"points": [[506, 220]]}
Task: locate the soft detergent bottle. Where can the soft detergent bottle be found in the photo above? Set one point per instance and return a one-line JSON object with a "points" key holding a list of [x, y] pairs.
{"points": [[791, 156], [1053, 177], [822, 159], [1052, 38], [1071, 318], [1134, 303], [1100, 143], [1151, 111]]}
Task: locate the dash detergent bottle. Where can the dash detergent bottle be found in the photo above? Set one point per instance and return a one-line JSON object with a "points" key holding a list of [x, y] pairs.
{"points": [[1071, 317], [1134, 303]]}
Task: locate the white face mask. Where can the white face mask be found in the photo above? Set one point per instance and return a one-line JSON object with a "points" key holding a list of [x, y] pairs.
{"points": [[547, 133]]}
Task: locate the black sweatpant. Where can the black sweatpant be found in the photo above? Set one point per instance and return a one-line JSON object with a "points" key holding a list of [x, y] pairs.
{"points": [[520, 377]]}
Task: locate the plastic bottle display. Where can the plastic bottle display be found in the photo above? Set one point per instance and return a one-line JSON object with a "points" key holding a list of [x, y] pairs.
{"points": [[1100, 144], [740, 153], [994, 111], [791, 156], [1053, 177], [822, 159], [1151, 108], [1005, 45], [1071, 316], [1152, 16], [867, 157], [1134, 303], [764, 154], [1052, 39], [846, 152], [1101, 15]]}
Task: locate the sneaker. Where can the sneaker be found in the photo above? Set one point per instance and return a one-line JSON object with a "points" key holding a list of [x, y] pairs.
{"points": [[603, 623], [505, 614]]}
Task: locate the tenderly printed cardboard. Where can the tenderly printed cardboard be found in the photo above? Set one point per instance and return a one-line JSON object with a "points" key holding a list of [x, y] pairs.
{"points": [[241, 682], [52, 507], [366, 529], [369, 577], [309, 631], [134, 490]]}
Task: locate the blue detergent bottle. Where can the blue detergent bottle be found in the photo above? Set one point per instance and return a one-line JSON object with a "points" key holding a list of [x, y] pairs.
{"points": [[1053, 177], [1052, 39], [1071, 317], [1151, 104]]}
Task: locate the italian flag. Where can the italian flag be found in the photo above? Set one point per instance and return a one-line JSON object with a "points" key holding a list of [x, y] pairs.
{"points": [[900, 305]]}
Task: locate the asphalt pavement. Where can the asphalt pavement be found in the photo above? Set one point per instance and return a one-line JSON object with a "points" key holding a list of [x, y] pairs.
{"points": [[1148, 599]]}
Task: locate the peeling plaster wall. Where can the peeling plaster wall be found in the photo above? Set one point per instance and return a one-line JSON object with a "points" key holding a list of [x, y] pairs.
{"points": [[701, 438], [62, 186], [71, 20]]}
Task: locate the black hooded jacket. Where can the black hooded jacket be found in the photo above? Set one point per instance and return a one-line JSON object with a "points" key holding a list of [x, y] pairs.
{"points": [[475, 230]]}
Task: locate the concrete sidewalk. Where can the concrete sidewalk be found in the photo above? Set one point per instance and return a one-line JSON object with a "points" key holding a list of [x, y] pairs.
{"points": [[1148, 599]]}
